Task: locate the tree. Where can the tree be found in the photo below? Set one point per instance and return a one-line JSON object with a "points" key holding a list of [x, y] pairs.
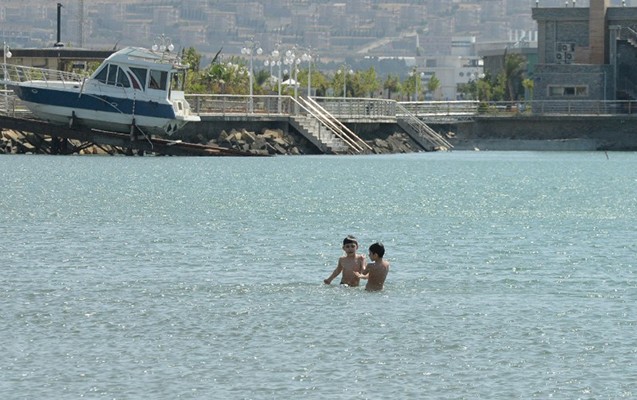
{"points": [[513, 74], [499, 87], [409, 85], [226, 78], [529, 85], [320, 83], [392, 85], [434, 84], [342, 80], [369, 82], [484, 89], [190, 57], [260, 79]]}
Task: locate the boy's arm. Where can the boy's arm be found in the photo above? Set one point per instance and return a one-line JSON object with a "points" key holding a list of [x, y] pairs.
{"points": [[364, 274], [337, 271], [361, 276], [363, 264]]}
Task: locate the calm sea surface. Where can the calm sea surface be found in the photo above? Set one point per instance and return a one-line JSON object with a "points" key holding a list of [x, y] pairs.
{"points": [[514, 276]]}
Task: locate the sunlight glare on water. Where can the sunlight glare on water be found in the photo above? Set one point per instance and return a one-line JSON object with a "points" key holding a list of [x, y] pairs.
{"points": [[513, 276]]}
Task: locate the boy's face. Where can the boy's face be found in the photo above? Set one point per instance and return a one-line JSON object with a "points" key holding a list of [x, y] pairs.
{"points": [[373, 256], [350, 248]]}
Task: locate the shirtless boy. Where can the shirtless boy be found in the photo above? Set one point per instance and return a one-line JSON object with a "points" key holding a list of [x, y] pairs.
{"points": [[349, 264], [375, 272]]}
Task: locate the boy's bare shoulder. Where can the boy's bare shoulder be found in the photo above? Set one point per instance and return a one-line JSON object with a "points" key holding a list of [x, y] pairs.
{"points": [[379, 265]]}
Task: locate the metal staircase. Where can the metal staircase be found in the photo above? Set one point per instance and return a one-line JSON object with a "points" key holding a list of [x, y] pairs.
{"points": [[420, 132], [325, 131], [629, 35]]}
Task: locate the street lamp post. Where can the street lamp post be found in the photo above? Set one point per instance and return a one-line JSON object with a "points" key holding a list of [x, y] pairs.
{"points": [[296, 78], [275, 59], [293, 62], [6, 53], [250, 48], [417, 81], [344, 70], [163, 44], [269, 63], [308, 57]]}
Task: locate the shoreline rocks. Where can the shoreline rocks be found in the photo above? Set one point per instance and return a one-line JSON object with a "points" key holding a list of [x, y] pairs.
{"points": [[268, 142], [278, 142], [15, 142]]}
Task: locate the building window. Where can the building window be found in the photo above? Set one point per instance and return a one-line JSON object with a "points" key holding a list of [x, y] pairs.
{"points": [[568, 91]]}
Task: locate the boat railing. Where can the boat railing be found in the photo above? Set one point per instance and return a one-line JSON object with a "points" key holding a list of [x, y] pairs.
{"points": [[19, 73]]}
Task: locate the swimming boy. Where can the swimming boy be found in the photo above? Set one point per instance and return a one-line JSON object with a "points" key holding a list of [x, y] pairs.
{"points": [[375, 272], [349, 264]]}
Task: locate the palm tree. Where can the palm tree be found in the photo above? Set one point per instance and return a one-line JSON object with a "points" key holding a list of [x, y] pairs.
{"points": [[529, 85], [513, 71]]}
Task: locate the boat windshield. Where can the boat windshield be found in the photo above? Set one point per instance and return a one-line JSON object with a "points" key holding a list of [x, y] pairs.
{"points": [[113, 75]]}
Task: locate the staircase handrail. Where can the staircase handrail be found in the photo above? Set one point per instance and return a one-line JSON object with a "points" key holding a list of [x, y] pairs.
{"points": [[333, 127], [629, 34], [348, 132], [318, 118], [423, 129]]}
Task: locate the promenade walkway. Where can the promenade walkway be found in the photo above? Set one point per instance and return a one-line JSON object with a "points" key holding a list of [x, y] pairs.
{"points": [[326, 121], [377, 110]]}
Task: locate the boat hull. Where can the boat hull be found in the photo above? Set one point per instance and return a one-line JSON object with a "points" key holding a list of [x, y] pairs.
{"points": [[100, 111]]}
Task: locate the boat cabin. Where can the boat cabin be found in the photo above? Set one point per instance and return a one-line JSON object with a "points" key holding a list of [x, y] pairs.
{"points": [[143, 70]]}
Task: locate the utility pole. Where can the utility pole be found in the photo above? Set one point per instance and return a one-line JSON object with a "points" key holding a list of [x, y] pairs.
{"points": [[81, 22]]}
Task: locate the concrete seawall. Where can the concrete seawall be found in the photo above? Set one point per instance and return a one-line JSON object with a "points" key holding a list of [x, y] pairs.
{"points": [[569, 133], [519, 132]]}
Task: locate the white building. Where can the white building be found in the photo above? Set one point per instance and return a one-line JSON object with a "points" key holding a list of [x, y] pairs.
{"points": [[461, 67]]}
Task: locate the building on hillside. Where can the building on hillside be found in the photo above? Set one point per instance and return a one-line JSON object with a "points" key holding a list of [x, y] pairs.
{"points": [[586, 53], [452, 70]]}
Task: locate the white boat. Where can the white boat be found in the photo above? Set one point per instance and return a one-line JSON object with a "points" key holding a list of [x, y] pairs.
{"points": [[134, 87]]}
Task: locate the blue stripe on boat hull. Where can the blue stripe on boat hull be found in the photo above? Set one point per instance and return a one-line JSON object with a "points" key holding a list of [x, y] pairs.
{"points": [[101, 112], [102, 103]]}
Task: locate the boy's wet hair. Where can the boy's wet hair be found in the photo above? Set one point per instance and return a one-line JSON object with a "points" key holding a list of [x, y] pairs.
{"points": [[377, 248], [350, 239]]}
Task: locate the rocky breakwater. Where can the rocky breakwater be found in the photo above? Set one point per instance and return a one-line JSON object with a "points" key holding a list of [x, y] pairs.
{"points": [[397, 142], [15, 142], [267, 142], [278, 142]]}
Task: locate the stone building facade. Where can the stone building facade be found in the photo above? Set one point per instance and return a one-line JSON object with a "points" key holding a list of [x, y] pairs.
{"points": [[586, 53]]}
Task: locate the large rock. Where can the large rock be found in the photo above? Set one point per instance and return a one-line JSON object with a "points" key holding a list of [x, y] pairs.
{"points": [[272, 133], [249, 137], [258, 143]]}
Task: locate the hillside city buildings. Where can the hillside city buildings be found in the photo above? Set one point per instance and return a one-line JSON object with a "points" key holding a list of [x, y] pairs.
{"points": [[333, 28], [441, 37]]}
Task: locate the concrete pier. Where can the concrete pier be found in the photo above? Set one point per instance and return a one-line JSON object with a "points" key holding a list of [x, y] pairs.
{"points": [[464, 125]]}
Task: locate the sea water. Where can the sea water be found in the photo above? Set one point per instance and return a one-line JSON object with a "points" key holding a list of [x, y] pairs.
{"points": [[513, 275]]}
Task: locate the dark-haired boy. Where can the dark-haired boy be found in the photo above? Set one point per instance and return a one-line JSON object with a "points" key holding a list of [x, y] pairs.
{"points": [[375, 272], [350, 264]]}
